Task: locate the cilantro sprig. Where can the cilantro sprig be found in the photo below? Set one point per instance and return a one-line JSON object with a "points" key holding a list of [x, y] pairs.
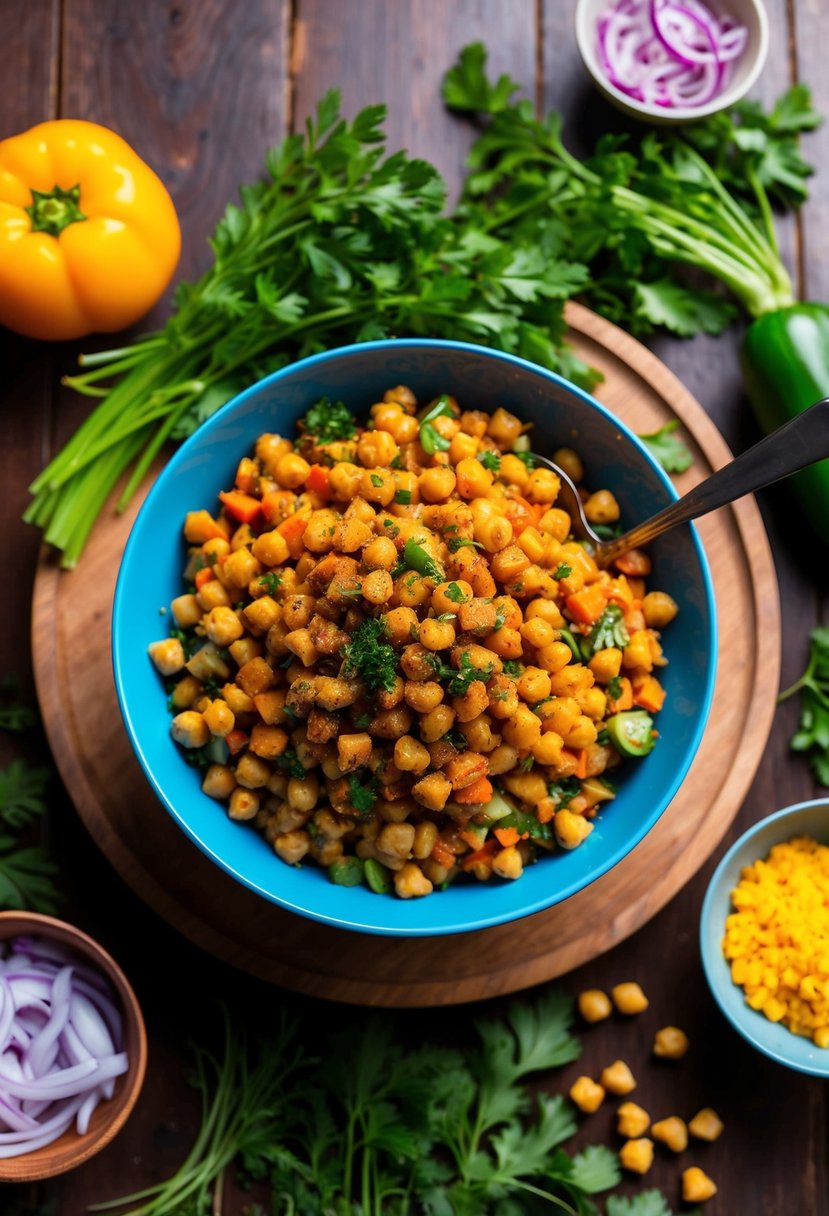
{"points": [[328, 421], [669, 449], [369, 659]]}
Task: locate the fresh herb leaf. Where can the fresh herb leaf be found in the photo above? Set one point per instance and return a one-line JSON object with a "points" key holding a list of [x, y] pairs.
{"points": [[377, 480], [812, 736], [526, 457], [614, 688], [369, 659], [362, 797], [403, 497], [22, 790], [562, 571], [454, 593], [271, 582], [683, 311], [669, 449], [490, 460], [462, 542], [466, 674], [328, 421], [646, 1203]]}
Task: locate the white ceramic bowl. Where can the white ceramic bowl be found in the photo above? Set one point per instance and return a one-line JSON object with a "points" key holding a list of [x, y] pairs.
{"points": [[744, 71]]}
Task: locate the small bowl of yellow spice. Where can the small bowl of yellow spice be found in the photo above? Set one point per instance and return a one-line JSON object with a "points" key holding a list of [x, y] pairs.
{"points": [[764, 936]]}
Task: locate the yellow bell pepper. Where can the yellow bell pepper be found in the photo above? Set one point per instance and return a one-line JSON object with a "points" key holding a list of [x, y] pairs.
{"points": [[89, 236]]}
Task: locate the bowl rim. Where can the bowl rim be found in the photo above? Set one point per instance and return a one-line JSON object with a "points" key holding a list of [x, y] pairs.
{"points": [[685, 114], [713, 959], [464, 925], [42, 1163]]}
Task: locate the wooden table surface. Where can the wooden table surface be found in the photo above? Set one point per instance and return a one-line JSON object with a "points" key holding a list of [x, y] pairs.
{"points": [[201, 89]]}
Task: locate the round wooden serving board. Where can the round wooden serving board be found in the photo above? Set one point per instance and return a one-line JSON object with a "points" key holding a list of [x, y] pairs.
{"points": [[77, 696]]}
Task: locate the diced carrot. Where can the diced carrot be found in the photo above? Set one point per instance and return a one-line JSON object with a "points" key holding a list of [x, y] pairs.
{"points": [[293, 527], [483, 854], [442, 854], [508, 836], [203, 576], [620, 592], [235, 741], [317, 481], [480, 791], [242, 507], [635, 562], [587, 605], [581, 767], [521, 514], [624, 699], [649, 694]]}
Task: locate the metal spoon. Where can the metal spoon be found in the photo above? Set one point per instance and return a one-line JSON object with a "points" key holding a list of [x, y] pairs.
{"points": [[798, 443]]}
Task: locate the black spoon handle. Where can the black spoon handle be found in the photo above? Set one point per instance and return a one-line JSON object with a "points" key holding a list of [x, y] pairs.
{"points": [[798, 443]]}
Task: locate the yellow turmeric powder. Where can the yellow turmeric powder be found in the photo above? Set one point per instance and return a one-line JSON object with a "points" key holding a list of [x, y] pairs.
{"points": [[777, 938]]}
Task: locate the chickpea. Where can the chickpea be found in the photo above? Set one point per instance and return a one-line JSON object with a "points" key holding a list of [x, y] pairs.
{"points": [[292, 846], [401, 625], [397, 839], [507, 863], [223, 626], [303, 792], [502, 759], [378, 486], [593, 1004], [629, 998], [659, 609], [412, 590], [696, 1185], [291, 471], [243, 804], [509, 563], [252, 772], [447, 597], [543, 486], [586, 1094], [494, 532], [186, 692], [425, 838], [435, 723], [212, 594], [637, 1155], [463, 447], [504, 428], [410, 755], [168, 655], [670, 1043], [380, 554], [632, 1120], [437, 635], [432, 791], [376, 449], [349, 535], [423, 696], [618, 1079], [671, 1132], [218, 782], [391, 723], [473, 702], [437, 484], [706, 1125], [410, 882], [186, 611], [377, 587], [190, 729], [473, 480], [602, 508], [220, 718], [513, 471], [345, 480]]}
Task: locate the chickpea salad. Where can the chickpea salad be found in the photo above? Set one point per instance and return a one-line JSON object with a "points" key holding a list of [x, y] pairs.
{"points": [[392, 658]]}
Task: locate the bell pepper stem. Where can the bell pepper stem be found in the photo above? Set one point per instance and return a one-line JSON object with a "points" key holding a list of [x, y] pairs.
{"points": [[53, 210]]}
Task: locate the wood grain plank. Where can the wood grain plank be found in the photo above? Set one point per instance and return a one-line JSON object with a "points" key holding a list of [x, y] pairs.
{"points": [[811, 37], [398, 53]]}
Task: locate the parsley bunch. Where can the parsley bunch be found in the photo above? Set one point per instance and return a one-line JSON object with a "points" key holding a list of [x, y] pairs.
{"points": [[375, 1126], [338, 243]]}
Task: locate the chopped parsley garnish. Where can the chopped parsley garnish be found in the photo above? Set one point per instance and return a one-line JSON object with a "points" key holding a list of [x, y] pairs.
{"points": [[392, 528], [457, 739], [461, 542], [291, 763], [614, 688], [525, 821], [570, 640], [490, 460], [363, 721], [454, 593], [609, 630], [376, 479], [362, 797], [403, 497], [563, 571], [197, 757], [466, 674], [370, 660], [190, 642], [512, 669], [328, 421], [272, 581], [527, 458], [500, 616], [525, 765]]}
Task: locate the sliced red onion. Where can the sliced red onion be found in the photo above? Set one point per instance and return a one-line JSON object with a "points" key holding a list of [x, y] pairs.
{"points": [[60, 1044], [671, 53]]}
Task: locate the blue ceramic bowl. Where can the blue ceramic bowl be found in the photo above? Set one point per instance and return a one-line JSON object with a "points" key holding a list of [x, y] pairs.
{"points": [[773, 1039], [150, 577]]}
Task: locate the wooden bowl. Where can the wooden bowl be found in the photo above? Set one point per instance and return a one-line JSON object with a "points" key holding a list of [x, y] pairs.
{"points": [[71, 1149]]}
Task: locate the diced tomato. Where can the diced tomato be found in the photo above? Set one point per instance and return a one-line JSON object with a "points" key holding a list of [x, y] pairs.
{"points": [[235, 741], [480, 791], [483, 854], [203, 576]]}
